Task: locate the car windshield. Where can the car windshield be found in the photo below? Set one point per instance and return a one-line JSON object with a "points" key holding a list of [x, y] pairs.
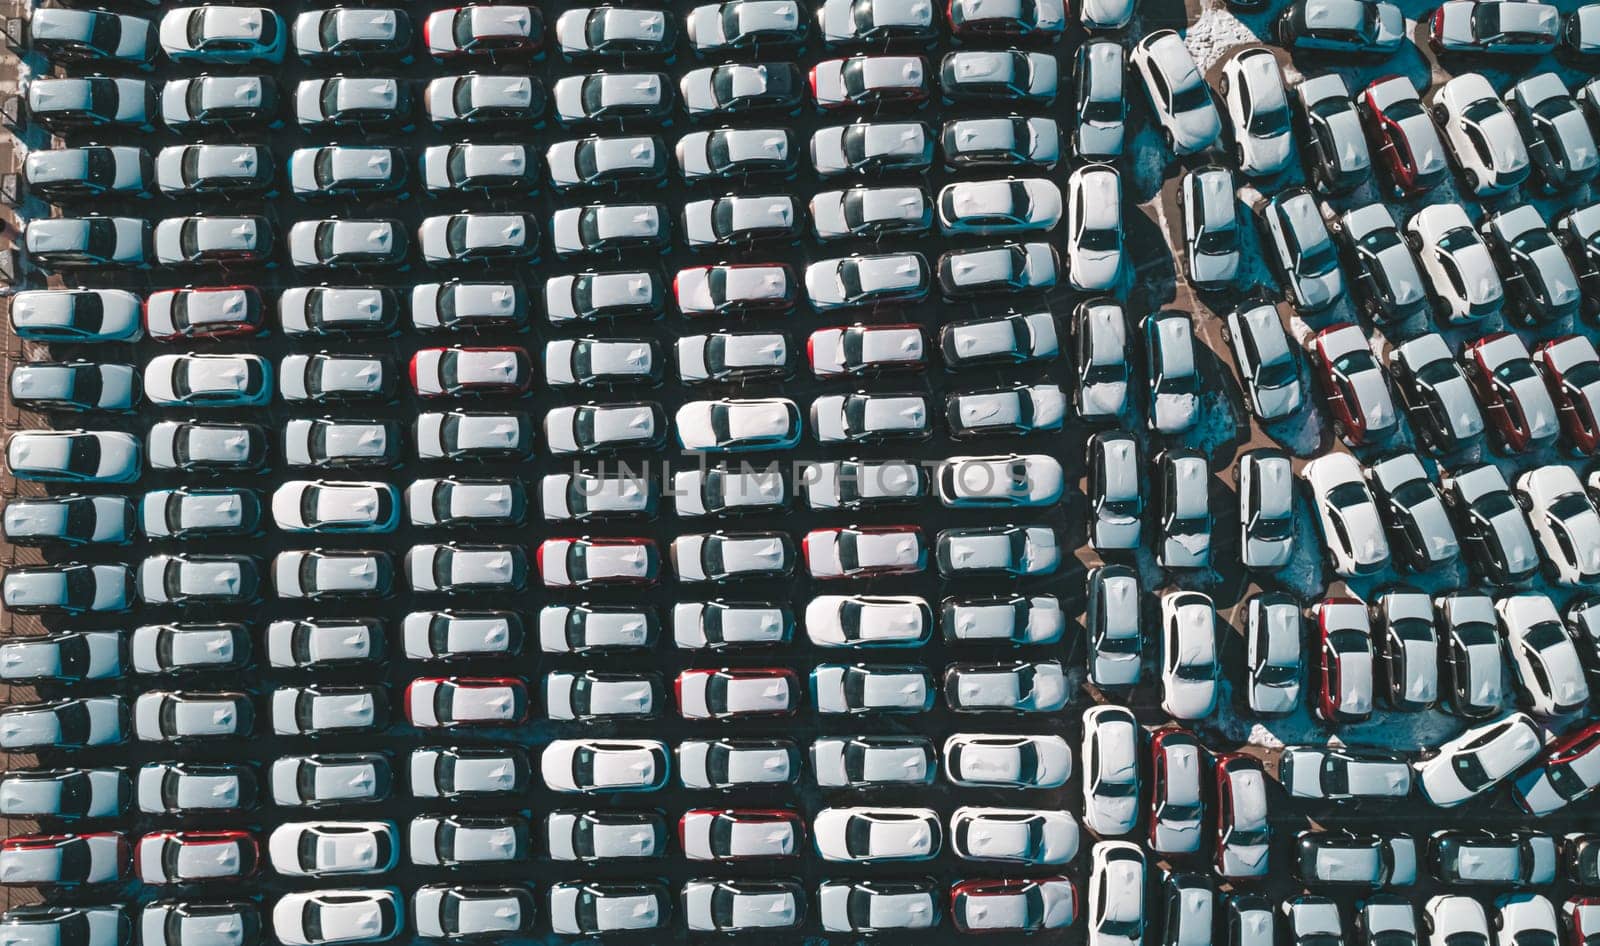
{"points": [[1513, 370], [1470, 771], [1269, 123], [1191, 97]]}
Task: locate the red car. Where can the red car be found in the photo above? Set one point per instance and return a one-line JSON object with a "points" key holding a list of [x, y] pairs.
{"points": [[483, 30], [210, 312], [444, 702], [1242, 831], [447, 372], [1567, 771], [1582, 915], [737, 834], [1571, 369], [1354, 389], [1344, 660], [1014, 905], [728, 693], [1177, 805], [183, 857], [864, 551], [1510, 391], [1403, 139]]}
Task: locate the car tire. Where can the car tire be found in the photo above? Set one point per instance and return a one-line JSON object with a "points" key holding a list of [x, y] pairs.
{"points": [[1439, 113], [1471, 179]]}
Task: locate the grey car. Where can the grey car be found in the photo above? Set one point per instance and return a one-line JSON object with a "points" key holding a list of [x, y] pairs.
{"points": [[1297, 244], [610, 31], [597, 362], [70, 519], [1412, 510], [467, 436], [1330, 131], [68, 589], [40, 925], [601, 97], [75, 385], [333, 170], [1387, 280], [65, 35], [1560, 141], [327, 779], [1266, 508], [58, 174], [1115, 638], [212, 241]]}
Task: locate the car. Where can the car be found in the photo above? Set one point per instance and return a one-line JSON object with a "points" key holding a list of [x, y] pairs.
{"points": [[869, 761], [459, 911], [1434, 390], [735, 153], [1268, 360], [1100, 333], [476, 237], [73, 36], [1407, 648], [1460, 271], [1420, 533], [1005, 269], [1011, 550], [1344, 858], [606, 97], [1257, 104], [731, 356], [1111, 748], [1471, 665], [1347, 514], [324, 377], [581, 496], [1189, 661], [999, 207], [213, 241], [607, 228], [866, 212], [1094, 228], [863, 281], [203, 312], [1489, 27], [859, 484], [1543, 657], [1358, 28], [1027, 836], [1019, 687], [1006, 142], [869, 417], [188, 647], [1354, 387], [1468, 857], [324, 642], [357, 34], [74, 456], [188, 511], [64, 860], [318, 574], [352, 101], [65, 174], [330, 849], [94, 926], [1211, 231], [732, 834], [232, 35], [79, 385], [336, 311], [1509, 389], [206, 447], [1112, 616], [229, 102], [841, 689], [876, 147], [1173, 372], [1540, 282], [67, 794], [1100, 103], [1017, 905], [864, 81], [1402, 136], [1576, 231], [1176, 807], [1012, 338], [179, 716], [998, 76], [179, 857], [736, 693], [463, 840], [1386, 276], [212, 168], [1024, 480], [578, 629], [725, 764], [328, 915], [483, 100], [455, 635], [172, 922], [81, 316], [876, 835], [1023, 409], [1266, 508], [852, 22], [583, 162], [1332, 773], [603, 428], [591, 695], [767, 25], [1559, 141], [1182, 485], [467, 772], [1311, 919], [319, 709], [325, 443], [1345, 677], [70, 519], [1178, 93], [740, 905], [868, 620], [69, 589], [467, 371], [590, 766], [578, 908], [334, 170], [1564, 520], [483, 29], [446, 702], [468, 305], [610, 31], [481, 167], [594, 836], [1482, 136], [1302, 252], [63, 243], [1243, 834], [1116, 915], [68, 723], [737, 425], [91, 102], [1477, 760], [451, 568], [1566, 773], [585, 562], [1330, 125]]}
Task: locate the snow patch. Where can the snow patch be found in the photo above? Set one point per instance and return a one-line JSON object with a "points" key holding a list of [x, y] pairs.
{"points": [[1215, 33]]}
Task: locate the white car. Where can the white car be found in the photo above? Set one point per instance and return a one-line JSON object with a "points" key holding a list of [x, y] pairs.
{"points": [[1010, 480], [731, 356], [974, 760], [876, 835], [1258, 109], [866, 761], [331, 848], [868, 621], [604, 766], [1456, 262], [866, 417], [1482, 135], [997, 207], [1190, 661], [717, 624], [866, 280], [1023, 836], [327, 916], [1094, 228], [1565, 522], [1347, 514], [870, 212], [1478, 760], [738, 424], [1178, 92], [1116, 894], [1110, 763], [741, 906], [1544, 659]]}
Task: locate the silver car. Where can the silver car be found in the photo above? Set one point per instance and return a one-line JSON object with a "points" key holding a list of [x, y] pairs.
{"points": [[451, 568], [714, 625]]}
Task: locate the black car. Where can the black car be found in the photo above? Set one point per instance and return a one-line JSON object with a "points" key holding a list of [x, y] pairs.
{"points": [[1330, 132], [1436, 395]]}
